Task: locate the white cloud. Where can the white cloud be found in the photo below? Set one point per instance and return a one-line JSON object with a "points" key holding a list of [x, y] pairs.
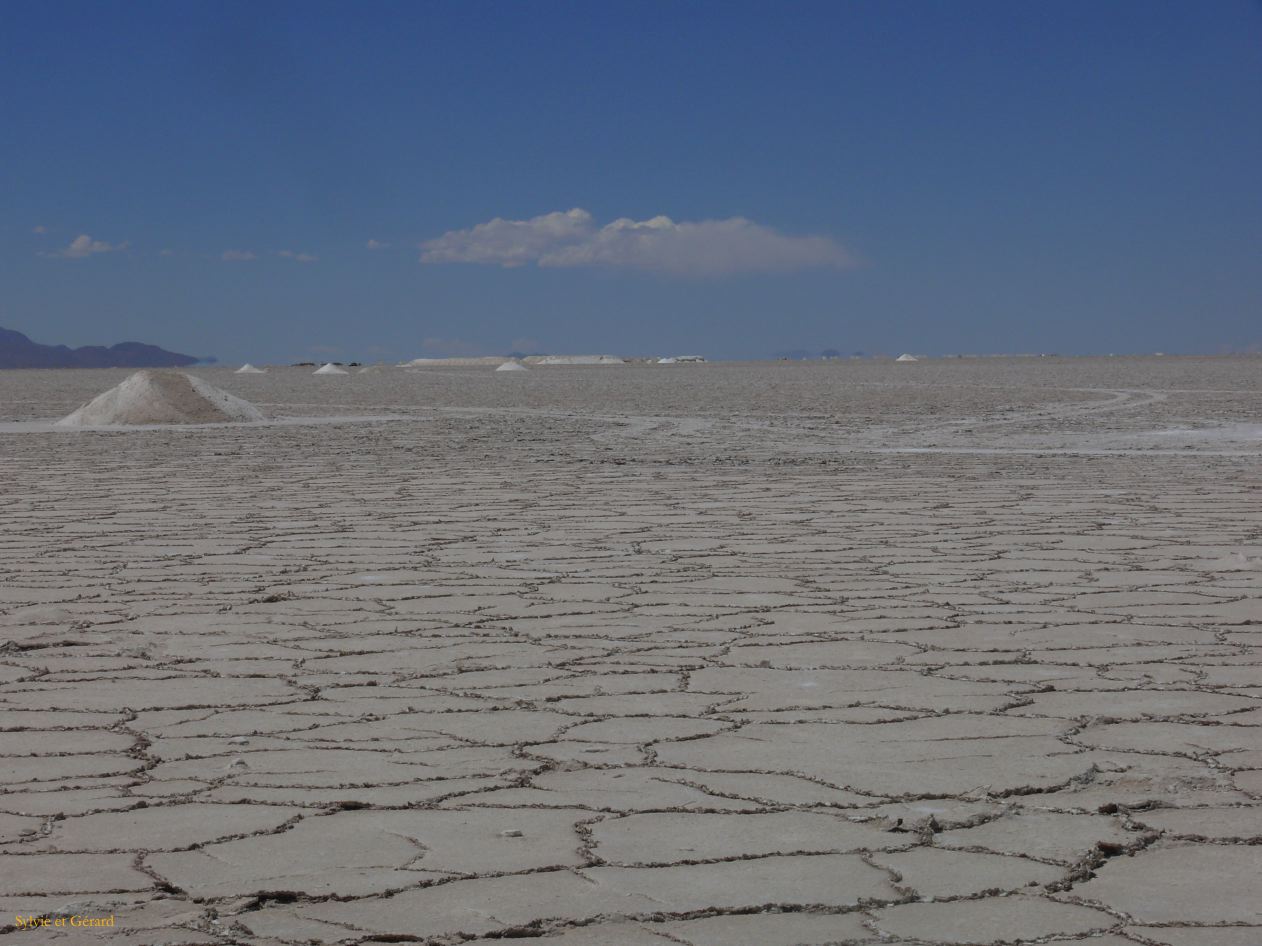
{"points": [[84, 246], [570, 239], [237, 256], [297, 257], [377, 245], [509, 242], [40, 230]]}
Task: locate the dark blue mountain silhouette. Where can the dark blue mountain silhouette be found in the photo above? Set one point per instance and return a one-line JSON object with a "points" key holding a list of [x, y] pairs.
{"points": [[18, 351]]}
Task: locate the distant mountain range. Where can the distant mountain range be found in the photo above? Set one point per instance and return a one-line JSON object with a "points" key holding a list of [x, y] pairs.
{"points": [[18, 351]]}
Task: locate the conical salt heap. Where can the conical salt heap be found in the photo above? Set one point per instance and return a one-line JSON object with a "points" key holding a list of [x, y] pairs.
{"points": [[906, 357], [512, 366], [330, 368], [162, 397], [248, 368]]}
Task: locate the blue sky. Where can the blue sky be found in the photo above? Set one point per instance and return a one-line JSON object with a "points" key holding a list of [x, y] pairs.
{"points": [[880, 176]]}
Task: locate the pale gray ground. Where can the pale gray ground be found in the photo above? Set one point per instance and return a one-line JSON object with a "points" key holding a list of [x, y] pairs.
{"points": [[951, 652]]}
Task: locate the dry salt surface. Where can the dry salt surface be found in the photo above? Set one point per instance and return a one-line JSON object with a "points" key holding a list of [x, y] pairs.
{"points": [[735, 654]]}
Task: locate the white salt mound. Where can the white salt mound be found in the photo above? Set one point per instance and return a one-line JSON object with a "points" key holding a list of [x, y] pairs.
{"points": [[906, 357], [330, 368], [248, 368], [162, 397], [512, 366]]}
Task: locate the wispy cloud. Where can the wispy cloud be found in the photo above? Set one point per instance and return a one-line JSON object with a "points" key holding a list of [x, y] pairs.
{"points": [[572, 238], [237, 256], [40, 230], [377, 245], [83, 246], [297, 257]]}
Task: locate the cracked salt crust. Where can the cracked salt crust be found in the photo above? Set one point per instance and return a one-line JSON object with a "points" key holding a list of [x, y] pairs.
{"points": [[773, 655]]}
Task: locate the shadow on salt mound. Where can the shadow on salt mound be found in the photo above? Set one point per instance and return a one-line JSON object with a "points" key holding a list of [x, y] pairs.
{"points": [[162, 397], [330, 368], [248, 368], [512, 366]]}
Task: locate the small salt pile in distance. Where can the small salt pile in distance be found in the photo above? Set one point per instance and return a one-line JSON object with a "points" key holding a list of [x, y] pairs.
{"points": [[162, 397], [330, 368], [512, 366], [248, 368]]}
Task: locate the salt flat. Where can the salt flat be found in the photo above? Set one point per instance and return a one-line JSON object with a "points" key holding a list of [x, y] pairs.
{"points": [[948, 652]]}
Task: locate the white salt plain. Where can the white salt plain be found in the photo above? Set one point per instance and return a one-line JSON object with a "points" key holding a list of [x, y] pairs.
{"points": [[764, 654], [572, 360], [485, 361]]}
